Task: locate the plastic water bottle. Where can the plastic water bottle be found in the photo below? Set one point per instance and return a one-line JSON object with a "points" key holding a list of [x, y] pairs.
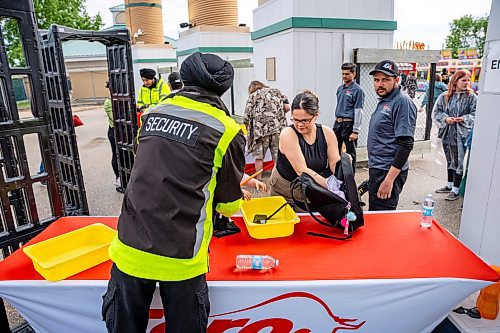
{"points": [[427, 211], [252, 261]]}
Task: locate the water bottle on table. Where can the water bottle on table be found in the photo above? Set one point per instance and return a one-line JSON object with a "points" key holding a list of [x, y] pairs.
{"points": [[427, 211], [249, 261]]}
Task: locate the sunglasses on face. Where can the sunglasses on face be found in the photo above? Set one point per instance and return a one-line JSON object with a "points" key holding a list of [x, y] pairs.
{"points": [[302, 121], [472, 312]]}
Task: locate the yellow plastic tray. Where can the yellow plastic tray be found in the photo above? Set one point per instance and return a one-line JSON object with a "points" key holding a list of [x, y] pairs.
{"points": [[281, 225], [62, 256]]}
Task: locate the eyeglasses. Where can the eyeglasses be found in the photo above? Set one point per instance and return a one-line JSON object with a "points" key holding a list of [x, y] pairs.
{"points": [[472, 312], [303, 121]]}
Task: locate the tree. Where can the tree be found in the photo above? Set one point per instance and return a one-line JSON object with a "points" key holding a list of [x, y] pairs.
{"points": [[467, 31], [70, 13]]}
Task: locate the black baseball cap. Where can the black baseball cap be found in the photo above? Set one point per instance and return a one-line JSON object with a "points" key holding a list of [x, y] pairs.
{"points": [[174, 77], [387, 67]]}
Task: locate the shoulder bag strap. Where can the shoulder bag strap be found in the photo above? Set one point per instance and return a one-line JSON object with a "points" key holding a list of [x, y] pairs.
{"points": [[296, 183]]}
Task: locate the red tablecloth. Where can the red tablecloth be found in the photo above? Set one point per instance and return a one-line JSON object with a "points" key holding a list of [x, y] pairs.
{"points": [[389, 246]]}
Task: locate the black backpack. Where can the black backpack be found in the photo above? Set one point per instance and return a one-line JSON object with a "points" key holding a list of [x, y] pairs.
{"points": [[333, 208]]}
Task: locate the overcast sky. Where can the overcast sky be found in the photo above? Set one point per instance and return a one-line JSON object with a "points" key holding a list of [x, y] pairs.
{"points": [[424, 21]]}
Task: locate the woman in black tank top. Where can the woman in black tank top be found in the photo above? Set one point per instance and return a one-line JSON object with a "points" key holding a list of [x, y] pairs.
{"points": [[304, 146]]}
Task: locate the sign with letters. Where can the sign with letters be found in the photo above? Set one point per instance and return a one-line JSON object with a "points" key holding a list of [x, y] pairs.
{"points": [[172, 128], [492, 70]]}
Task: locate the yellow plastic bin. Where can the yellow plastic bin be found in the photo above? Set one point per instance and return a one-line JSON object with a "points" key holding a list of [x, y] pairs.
{"points": [[68, 254], [281, 225]]}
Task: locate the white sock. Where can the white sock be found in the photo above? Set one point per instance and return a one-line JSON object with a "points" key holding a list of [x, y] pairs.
{"points": [[455, 189], [450, 185]]}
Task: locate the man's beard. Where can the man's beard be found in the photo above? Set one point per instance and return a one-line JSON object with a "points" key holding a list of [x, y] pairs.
{"points": [[385, 92]]}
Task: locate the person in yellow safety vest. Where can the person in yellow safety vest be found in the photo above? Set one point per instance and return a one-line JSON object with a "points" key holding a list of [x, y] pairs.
{"points": [[152, 91], [189, 164]]}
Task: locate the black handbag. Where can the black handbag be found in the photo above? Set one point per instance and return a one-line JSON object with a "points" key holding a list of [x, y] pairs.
{"points": [[333, 208]]}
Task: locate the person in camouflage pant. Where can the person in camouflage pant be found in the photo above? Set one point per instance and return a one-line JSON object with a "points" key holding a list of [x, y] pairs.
{"points": [[264, 119], [411, 85]]}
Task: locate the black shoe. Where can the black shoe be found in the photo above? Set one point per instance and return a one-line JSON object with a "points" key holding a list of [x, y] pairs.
{"points": [[445, 189], [452, 196]]}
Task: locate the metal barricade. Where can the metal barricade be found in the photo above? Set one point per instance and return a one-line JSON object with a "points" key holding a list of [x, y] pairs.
{"points": [[22, 214]]}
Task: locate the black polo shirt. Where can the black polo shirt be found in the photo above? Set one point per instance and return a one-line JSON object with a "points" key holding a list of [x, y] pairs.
{"points": [[349, 98], [395, 116]]}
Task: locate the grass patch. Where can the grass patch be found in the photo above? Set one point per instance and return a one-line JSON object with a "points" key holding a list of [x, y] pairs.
{"points": [[22, 105]]}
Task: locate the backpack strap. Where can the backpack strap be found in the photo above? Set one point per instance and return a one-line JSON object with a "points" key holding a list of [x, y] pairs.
{"points": [[298, 184]]}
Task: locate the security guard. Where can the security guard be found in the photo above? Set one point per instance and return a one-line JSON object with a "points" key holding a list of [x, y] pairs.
{"points": [[189, 165], [152, 91], [390, 138]]}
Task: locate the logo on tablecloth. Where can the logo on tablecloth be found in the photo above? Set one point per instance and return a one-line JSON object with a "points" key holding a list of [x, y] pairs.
{"points": [[265, 315]]}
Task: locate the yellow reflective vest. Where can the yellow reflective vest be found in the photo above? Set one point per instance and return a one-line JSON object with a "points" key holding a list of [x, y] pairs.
{"points": [[152, 96]]}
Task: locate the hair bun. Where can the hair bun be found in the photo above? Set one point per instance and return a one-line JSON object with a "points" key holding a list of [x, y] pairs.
{"points": [[309, 92]]}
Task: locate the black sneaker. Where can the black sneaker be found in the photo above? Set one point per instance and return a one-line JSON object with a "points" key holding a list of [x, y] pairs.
{"points": [[452, 196], [445, 189]]}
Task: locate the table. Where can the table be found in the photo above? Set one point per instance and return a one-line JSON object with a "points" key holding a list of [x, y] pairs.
{"points": [[393, 276]]}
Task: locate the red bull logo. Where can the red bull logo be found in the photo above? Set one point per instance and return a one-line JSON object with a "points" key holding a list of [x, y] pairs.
{"points": [[271, 316]]}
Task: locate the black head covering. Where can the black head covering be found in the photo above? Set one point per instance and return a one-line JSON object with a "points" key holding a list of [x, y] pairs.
{"points": [[147, 73], [207, 71], [174, 78]]}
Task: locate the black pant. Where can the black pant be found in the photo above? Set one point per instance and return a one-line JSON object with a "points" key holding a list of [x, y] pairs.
{"points": [[126, 304], [114, 159], [446, 326], [377, 176], [343, 130], [454, 178]]}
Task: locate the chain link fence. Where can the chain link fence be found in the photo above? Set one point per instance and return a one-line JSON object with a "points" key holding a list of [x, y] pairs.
{"points": [[365, 80]]}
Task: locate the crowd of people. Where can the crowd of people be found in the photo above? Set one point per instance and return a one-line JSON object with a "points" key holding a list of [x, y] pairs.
{"points": [[190, 160]]}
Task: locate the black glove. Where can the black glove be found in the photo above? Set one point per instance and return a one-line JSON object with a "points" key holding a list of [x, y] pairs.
{"points": [[224, 226]]}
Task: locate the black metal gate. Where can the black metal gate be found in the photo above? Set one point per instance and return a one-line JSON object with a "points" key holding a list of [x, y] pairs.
{"points": [[123, 101], [61, 119], [19, 217], [121, 83], [22, 216]]}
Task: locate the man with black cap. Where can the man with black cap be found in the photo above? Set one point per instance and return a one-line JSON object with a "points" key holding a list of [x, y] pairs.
{"points": [[152, 90], [390, 138], [188, 167]]}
